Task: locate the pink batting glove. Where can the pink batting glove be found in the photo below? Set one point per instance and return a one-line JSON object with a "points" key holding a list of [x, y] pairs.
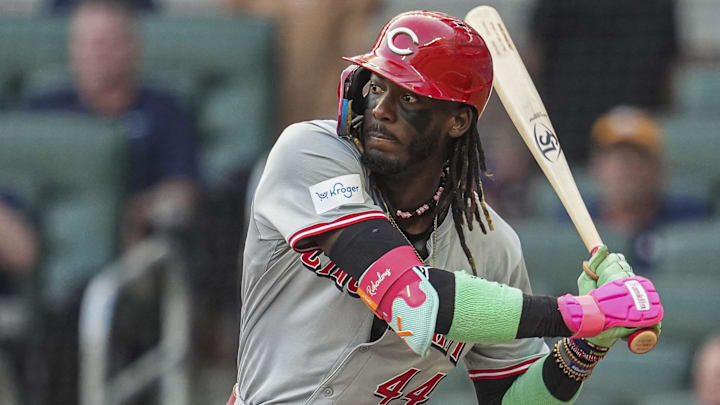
{"points": [[631, 302]]}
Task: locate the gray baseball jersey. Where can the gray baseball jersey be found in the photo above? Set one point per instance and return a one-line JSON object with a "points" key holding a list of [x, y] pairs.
{"points": [[304, 332]]}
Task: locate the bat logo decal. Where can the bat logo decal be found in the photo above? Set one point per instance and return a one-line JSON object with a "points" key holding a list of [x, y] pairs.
{"points": [[397, 31], [547, 142]]}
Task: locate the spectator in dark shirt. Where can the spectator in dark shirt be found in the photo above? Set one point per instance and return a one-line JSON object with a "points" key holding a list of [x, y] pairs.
{"points": [[104, 57], [64, 6], [18, 258], [627, 165], [18, 241], [104, 51]]}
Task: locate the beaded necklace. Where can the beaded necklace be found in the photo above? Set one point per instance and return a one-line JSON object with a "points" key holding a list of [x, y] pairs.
{"points": [[429, 261], [425, 207], [419, 211]]}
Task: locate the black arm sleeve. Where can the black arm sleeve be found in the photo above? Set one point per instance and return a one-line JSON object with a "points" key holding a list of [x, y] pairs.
{"points": [[540, 318], [560, 385], [360, 245], [491, 392]]}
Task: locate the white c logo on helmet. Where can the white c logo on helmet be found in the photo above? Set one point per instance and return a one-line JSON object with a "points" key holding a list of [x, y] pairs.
{"points": [[397, 31]]}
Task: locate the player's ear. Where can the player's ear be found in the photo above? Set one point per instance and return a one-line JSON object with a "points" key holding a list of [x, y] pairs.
{"points": [[460, 121]]}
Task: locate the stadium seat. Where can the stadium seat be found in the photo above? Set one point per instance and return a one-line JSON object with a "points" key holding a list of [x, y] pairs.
{"points": [[699, 90], [691, 145], [554, 253], [689, 249], [235, 128], [227, 63], [70, 172], [623, 378], [234, 62], [691, 303], [51, 78], [26, 44], [684, 397], [547, 202]]}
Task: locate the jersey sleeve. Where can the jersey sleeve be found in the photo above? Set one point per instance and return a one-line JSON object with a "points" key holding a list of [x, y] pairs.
{"points": [[313, 183]]}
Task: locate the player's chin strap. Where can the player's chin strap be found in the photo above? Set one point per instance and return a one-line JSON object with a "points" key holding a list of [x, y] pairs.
{"points": [[351, 103]]}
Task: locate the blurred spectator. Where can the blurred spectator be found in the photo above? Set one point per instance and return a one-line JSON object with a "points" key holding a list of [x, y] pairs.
{"points": [[627, 165], [18, 257], [65, 6], [706, 372], [510, 189], [18, 243], [104, 51], [593, 55], [312, 33]]}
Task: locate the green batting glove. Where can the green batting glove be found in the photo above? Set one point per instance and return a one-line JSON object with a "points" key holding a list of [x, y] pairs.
{"points": [[608, 267], [607, 338]]}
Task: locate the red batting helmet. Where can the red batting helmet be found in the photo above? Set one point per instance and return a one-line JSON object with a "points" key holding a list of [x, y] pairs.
{"points": [[435, 55]]}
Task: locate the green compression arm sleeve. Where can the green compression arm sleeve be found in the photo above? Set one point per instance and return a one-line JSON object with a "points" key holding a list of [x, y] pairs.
{"points": [[530, 388], [485, 311]]}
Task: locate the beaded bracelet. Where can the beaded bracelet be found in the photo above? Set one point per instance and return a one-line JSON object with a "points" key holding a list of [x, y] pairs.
{"points": [[572, 369], [573, 361], [574, 358], [583, 353], [591, 348]]}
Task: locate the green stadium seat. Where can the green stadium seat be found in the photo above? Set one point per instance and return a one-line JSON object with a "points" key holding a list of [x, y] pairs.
{"points": [[215, 44], [70, 172], [202, 59], [623, 378], [691, 303], [689, 248], [26, 44], [632, 377], [234, 59], [677, 397], [235, 128], [179, 82], [554, 253], [691, 145], [699, 90], [547, 202]]}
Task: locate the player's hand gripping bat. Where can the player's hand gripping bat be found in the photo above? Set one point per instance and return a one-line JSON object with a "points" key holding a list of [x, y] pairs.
{"points": [[524, 106]]}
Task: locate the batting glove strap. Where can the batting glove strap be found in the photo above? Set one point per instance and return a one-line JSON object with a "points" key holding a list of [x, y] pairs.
{"points": [[581, 314]]}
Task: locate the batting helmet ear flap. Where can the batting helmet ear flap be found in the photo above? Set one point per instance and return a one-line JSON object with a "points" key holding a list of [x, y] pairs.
{"points": [[350, 98], [360, 79]]}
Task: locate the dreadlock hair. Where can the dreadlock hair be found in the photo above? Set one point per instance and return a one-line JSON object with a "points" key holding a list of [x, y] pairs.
{"points": [[464, 192]]}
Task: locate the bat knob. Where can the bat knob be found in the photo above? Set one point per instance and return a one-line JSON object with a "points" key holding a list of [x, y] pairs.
{"points": [[642, 341]]}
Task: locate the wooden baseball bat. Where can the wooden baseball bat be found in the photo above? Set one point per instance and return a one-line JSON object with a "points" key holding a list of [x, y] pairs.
{"points": [[523, 104]]}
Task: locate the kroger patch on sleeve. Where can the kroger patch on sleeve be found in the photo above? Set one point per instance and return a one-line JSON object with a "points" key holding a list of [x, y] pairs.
{"points": [[335, 192]]}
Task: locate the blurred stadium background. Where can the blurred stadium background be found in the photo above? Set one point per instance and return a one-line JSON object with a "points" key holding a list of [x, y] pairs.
{"points": [[224, 63]]}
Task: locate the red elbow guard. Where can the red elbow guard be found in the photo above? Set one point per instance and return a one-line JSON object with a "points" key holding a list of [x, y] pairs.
{"points": [[380, 277]]}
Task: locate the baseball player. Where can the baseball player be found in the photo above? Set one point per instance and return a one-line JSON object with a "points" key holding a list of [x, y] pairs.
{"points": [[373, 266]]}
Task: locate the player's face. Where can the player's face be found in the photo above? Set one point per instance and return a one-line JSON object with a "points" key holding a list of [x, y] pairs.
{"points": [[401, 129]]}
